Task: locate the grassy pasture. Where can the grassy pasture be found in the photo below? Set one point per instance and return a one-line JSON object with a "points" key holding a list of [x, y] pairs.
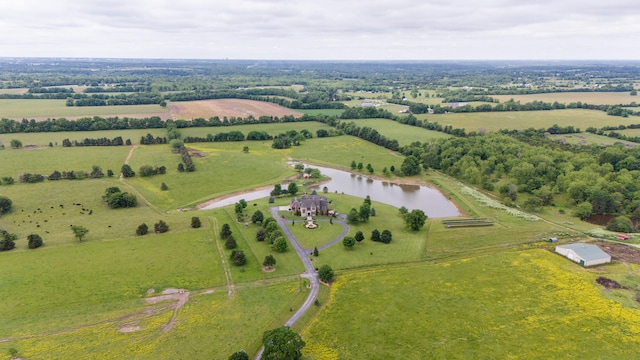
{"points": [[53, 222], [405, 134], [596, 98], [39, 108], [588, 139], [473, 308], [494, 121], [54, 288], [45, 160]]}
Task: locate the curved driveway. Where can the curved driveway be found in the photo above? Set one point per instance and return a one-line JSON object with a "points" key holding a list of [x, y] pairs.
{"points": [[310, 271]]}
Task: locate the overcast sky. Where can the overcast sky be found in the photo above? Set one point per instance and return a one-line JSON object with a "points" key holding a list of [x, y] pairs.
{"points": [[322, 29]]}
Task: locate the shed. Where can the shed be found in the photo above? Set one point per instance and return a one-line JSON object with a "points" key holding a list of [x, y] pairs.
{"points": [[623, 237], [584, 254], [553, 240]]}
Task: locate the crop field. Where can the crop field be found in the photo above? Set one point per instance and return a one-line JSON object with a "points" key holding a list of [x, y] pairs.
{"points": [[227, 107], [40, 109], [473, 308], [595, 98], [405, 134], [494, 121], [588, 139]]}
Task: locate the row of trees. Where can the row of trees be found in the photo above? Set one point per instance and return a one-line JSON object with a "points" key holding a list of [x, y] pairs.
{"points": [[117, 141]]}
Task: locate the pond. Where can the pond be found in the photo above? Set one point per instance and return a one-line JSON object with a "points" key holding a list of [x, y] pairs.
{"points": [[427, 199]]}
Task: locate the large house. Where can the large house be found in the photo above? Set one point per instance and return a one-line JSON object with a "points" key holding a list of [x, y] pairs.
{"points": [[310, 205], [584, 254]]}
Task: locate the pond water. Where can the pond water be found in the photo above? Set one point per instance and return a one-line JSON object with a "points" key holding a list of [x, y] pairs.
{"points": [[427, 199]]}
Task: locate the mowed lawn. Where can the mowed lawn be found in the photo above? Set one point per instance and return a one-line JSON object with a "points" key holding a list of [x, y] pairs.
{"points": [[506, 305], [45, 108], [494, 121], [405, 134]]}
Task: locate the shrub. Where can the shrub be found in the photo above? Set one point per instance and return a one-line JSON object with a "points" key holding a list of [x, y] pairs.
{"points": [[238, 258], [195, 222], [142, 229], [280, 244], [164, 187], [5, 204], [35, 241], [160, 227]]}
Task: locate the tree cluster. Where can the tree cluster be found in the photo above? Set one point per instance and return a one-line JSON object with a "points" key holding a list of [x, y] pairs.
{"points": [[117, 141], [7, 240], [117, 199], [384, 237], [148, 170]]}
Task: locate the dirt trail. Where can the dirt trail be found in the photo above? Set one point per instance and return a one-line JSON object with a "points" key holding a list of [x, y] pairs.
{"points": [[225, 263], [181, 296], [126, 161]]}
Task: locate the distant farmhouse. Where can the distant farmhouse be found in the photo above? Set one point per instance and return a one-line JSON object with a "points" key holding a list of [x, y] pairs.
{"points": [[584, 254], [310, 205]]}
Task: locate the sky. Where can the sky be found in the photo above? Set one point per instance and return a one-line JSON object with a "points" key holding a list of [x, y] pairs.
{"points": [[322, 29]]}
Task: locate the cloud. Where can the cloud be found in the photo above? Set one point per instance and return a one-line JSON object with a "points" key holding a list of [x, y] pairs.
{"points": [[329, 29]]}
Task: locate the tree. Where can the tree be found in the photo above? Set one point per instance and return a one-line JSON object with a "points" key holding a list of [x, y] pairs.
{"points": [[348, 242], [353, 217], [261, 234], [316, 253], [282, 343], [127, 171], [269, 261], [292, 189], [245, 149], [34, 240], [7, 240], [79, 231], [239, 355], [359, 166], [386, 236], [375, 235], [415, 219], [410, 166], [365, 212], [122, 200], [142, 229], [621, 224], [403, 211], [238, 258], [583, 210], [16, 144], [373, 211], [225, 232], [195, 222], [181, 167], [160, 227], [277, 190], [230, 242], [280, 244], [359, 236], [353, 165], [5, 204], [110, 173], [325, 273], [164, 187], [257, 217]]}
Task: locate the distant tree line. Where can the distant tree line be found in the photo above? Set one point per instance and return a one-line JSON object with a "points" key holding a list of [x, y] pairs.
{"points": [[117, 141]]}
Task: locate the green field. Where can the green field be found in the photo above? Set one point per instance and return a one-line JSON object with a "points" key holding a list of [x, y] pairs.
{"points": [[494, 121], [595, 98], [423, 295], [38, 108], [473, 309], [405, 134], [588, 139]]}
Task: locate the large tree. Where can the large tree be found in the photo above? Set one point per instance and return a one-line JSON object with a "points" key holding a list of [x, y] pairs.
{"points": [[410, 166], [5, 204], [348, 242], [257, 216], [127, 171], [280, 244], [415, 219], [269, 261], [79, 231], [282, 343], [225, 232], [292, 188], [34, 241], [325, 273]]}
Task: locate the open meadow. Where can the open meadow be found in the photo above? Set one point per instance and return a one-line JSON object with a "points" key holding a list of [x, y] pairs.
{"points": [[405, 134], [40, 109], [494, 121], [490, 292], [589, 139], [594, 98]]}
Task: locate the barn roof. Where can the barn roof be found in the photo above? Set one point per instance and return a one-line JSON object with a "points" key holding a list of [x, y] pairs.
{"points": [[586, 251]]}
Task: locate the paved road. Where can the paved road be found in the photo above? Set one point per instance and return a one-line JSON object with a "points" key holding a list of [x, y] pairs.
{"points": [[310, 271]]}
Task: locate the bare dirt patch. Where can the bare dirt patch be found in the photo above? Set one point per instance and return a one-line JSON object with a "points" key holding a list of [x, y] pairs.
{"points": [[620, 252], [609, 284], [205, 109], [130, 329], [268, 269], [196, 153]]}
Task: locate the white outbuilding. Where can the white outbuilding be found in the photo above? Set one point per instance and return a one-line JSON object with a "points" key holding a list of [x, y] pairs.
{"points": [[584, 254]]}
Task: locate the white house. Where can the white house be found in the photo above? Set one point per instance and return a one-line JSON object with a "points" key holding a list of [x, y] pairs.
{"points": [[584, 254]]}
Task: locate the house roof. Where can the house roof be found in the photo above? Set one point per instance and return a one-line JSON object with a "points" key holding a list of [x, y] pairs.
{"points": [[586, 251]]}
